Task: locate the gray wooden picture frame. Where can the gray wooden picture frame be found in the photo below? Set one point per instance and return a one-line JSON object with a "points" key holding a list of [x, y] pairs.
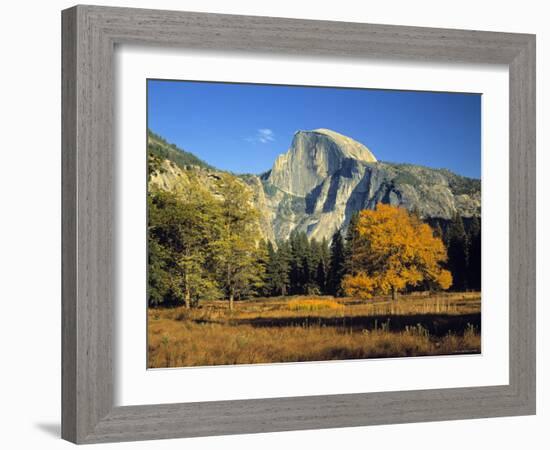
{"points": [[90, 34]]}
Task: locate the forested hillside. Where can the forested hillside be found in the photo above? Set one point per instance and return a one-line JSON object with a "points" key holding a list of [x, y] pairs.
{"points": [[157, 146]]}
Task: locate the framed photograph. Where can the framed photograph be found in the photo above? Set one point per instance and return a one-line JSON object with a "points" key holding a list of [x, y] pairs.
{"points": [[268, 222]]}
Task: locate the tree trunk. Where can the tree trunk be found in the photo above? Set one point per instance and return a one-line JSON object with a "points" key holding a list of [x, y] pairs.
{"points": [[393, 293], [187, 300], [231, 301], [187, 292]]}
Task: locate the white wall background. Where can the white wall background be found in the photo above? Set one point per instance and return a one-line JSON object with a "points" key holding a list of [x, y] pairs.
{"points": [[30, 222]]}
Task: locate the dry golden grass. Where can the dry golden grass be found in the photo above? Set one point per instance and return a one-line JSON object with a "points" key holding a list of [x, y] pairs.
{"points": [[312, 304], [313, 329]]}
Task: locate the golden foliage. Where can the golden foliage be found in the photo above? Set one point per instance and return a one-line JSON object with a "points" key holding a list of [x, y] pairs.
{"points": [[393, 250], [359, 285], [445, 279]]}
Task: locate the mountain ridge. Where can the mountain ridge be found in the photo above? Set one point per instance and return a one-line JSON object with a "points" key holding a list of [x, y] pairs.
{"points": [[158, 146], [324, 178]]}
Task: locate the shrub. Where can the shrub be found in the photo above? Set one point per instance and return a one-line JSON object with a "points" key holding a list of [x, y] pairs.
{"points": [[312, 304]]}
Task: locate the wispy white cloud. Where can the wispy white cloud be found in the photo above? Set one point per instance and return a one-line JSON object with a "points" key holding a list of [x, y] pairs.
{"points": [[263, 136]]}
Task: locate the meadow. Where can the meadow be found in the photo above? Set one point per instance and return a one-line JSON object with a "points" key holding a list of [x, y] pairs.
{"points": [[314, 328]]}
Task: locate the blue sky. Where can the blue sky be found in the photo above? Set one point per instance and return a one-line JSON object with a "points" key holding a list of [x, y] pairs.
{"points": [[243, 127]]}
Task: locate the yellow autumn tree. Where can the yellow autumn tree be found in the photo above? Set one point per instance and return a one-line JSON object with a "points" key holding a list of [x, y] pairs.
{"points": [[393, 250]]}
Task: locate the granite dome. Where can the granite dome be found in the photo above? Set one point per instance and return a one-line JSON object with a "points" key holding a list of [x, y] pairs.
{"points": [[312, 157]]}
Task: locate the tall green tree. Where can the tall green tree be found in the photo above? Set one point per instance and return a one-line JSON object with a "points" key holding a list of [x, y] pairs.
{"points": [[237, 250], [158, 277], [268, 252], [299, 263], [281, 279], [313, 261], [337, 267], [457, 250], [276, 280], [351, 242], [321, 277], [182, 231], [474, 254], [323, 266]]}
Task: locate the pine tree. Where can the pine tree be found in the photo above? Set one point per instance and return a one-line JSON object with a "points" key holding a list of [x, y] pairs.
{"points": [[313, 287], [337, 264], [299, 264], [295, 263], [457, 250], [267, 254], [474, 254], [325, 262], [321, 277], [158, 279], [281, 282], [276, 272], [352, 236]]}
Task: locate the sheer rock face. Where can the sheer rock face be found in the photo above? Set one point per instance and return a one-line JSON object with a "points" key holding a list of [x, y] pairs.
{"points": [[325, 177], [312, 157]]}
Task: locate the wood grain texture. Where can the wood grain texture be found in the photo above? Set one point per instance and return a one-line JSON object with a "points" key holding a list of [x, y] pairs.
{"points": [[88, 210], [68, 226], [522, 282], [89, 37]]}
